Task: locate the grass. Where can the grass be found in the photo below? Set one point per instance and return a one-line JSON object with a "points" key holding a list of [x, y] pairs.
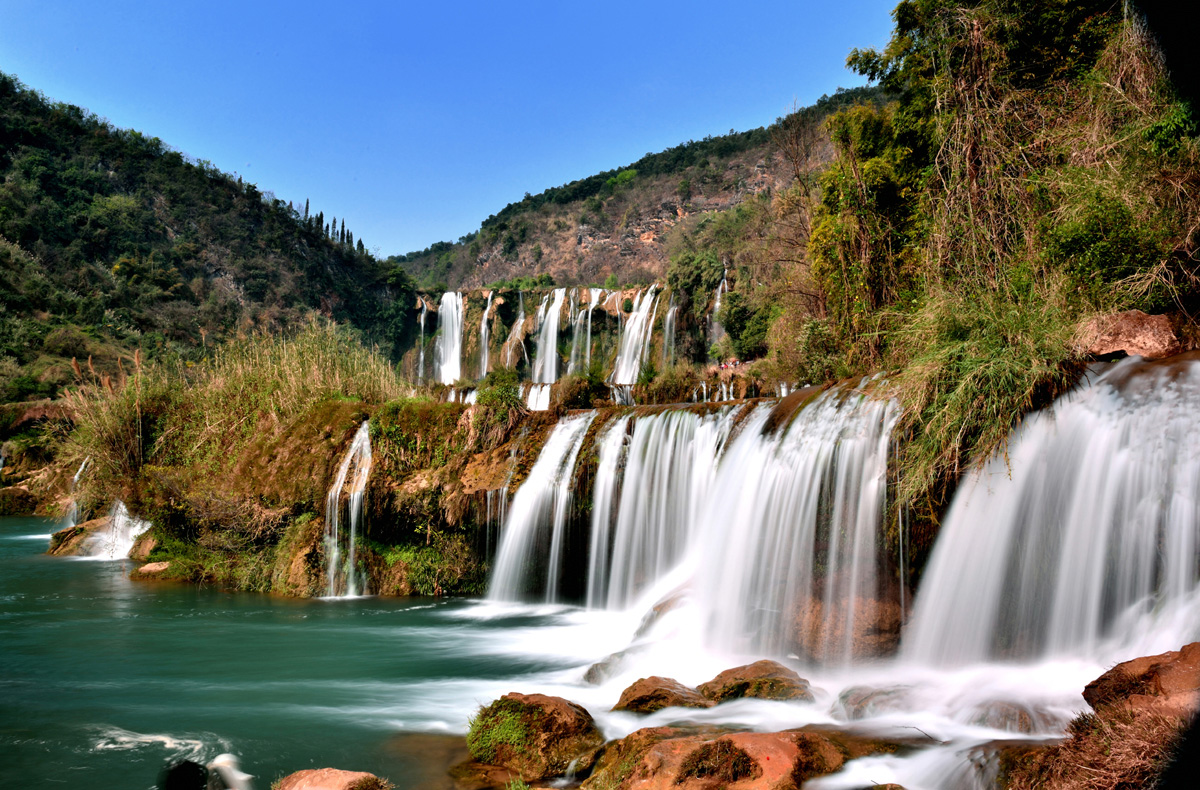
{"points": [[503, 723], [720, 760]]}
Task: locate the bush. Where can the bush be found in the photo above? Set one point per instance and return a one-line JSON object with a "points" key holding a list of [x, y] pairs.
{"points": [[66, 341]]}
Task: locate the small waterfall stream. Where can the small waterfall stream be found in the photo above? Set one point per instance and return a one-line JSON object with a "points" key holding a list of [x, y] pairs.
{"points": [[71, 517], [635, 340], [116, 540], [545, 359], [343, 577], [449, 342], [421, 343], [483, 337]]}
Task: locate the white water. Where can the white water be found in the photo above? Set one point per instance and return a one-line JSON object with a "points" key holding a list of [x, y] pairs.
{"points": [[421, 343], [1085, 541], [537, 397], [71, 517], [715, 330], [345, 578], [449, 342], [515, 333], [669, 332], [635, 339], [577, 317], [596, 294], [117, 539], [483, 337], [533, 533], [545, 359]]}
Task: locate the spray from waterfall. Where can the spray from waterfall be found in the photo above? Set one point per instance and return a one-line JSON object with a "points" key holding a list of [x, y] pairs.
{"points": [[449, 342], [342, 576], [483, 337], [1084, 534], [115, 541]]}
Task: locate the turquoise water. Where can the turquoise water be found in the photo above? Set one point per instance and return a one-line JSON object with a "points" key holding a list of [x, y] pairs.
{"points": [[103, 681]]}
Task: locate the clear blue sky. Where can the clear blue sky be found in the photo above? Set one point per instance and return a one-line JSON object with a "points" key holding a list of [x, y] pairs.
{"points": [[415, 121]]}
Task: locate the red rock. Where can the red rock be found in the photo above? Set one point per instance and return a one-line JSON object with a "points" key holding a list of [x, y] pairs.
{"points": [[68, 542], [330, 779], [762, 679], [1168, 684], [647, 695], [535, 736], [1134, 332]]}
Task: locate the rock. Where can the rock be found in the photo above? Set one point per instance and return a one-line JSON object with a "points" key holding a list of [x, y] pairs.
{"points": [[68, 542], [142, 546], [1014, 717], [535, 736], [16, 501], [1134, 332], [153, 568], [763, 679], [1167, 684], [821, 628], [647, 695], [861, 702], [332, 779]]}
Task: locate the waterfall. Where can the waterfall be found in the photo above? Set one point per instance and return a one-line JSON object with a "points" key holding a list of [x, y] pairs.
{"points": [[483, 337], [537, 397], [449, 343], [1083, 534], [610, 460], [117, 539], [636, 339], [596, 295], [576, 327], [71, 518], [668, 355], [715, 330], [545, 360], [421, 343], [344, 578], [532, 540], [516, 331]]}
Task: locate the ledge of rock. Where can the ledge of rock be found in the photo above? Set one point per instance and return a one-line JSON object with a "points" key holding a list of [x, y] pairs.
{"points": [[332, 779], [763, 679], [647, 695], [1167, 684], [68, 542], [535, 736], [1134, 332]]}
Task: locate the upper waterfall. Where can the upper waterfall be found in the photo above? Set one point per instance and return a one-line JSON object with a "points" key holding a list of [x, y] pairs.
{"points": [[449, 342]]}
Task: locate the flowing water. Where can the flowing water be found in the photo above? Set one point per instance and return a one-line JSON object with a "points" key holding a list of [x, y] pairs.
{"points": [[449, 342], [545, 359], [343, 576], [421, 343], [483, 337], [635, 339]]}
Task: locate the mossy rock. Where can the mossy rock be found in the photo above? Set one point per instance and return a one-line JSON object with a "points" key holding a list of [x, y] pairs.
{"points": [[535, 736], [763, 679]]}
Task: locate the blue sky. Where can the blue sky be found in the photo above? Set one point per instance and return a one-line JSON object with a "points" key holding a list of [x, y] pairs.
{"points": [[414, 122]]}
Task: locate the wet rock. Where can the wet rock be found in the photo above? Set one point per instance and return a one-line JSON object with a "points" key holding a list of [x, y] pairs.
{"points": [[861, 702], [1014, 717], [70, 541], [535, 736], [142, 547], [1135, 333], [647, 695], [1167, 684], [763, 679], [332, 779], [15, 501], [821, 628]]}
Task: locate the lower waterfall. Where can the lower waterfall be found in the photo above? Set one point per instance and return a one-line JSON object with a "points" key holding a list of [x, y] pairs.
{"points": [[343, 576]]}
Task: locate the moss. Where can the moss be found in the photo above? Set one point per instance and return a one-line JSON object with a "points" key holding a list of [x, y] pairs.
{"points": [[371, 783], [505, 722], [720, 760]]}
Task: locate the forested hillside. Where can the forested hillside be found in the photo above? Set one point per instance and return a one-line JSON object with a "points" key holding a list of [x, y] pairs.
{"points": [[111, 241]]}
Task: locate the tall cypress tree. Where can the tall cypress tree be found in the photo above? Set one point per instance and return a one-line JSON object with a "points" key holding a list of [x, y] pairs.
{"points": [[306, 209]]}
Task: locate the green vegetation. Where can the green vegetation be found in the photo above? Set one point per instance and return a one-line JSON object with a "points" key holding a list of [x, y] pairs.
{"points": [[504, 723], [111, 241], [720, 760]]}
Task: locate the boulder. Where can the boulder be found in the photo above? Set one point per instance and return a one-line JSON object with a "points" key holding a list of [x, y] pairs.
{"points": [[861, 702], [763, 679], [1134, 332], [143, 546], [153, 568], [1167, 684], [332, 779], [70, 541], [535, 736], [647, 695], [1015, 717], [16, 501]]}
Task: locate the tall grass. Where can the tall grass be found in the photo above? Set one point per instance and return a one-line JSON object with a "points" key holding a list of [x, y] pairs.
{"points": [[180, 414]]}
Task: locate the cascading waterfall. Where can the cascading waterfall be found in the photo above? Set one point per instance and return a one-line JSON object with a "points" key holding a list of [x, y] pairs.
{"points": [[344, 578], [449, 342], [516, 330], [1084, 534], [117, 539], [668, 356], [635, 340], [421, 343], [71, 518], [577, 317], [715, 330], [483, 337], [596, 295], [545, 360], [532, 539]]}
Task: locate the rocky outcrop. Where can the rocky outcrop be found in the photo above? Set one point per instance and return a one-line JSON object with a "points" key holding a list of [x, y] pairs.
{"points": [[647, 695], [332, 779], [1133, 332], [1167, 684], [71, 541], [534, 736], [15, 501], [763, 679]]}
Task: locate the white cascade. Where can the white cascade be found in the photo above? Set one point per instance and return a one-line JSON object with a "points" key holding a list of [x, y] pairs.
{"points": [[1083, 536], [636, 339], [449, 342], [596, 294], [421, 343], [607, 489], [71, 517], [715, 330], [545, 360], [537, 397], [668, 356], [532, 539], [483, 336], [343, 578], [516, 331], [577, 317], [117, 539]]}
